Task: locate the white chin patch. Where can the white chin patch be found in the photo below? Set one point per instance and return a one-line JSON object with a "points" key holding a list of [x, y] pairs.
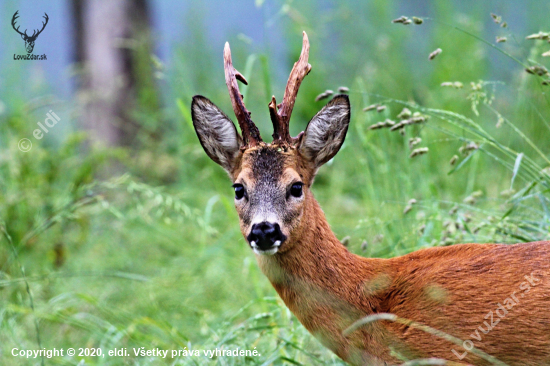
{"points": [[274, 249]]}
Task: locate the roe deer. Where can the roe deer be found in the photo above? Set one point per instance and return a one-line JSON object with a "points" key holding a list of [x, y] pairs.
{"points": [[493, 297]]}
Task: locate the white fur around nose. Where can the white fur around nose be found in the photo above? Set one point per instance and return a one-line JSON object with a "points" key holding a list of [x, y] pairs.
{"points": [[264, 216], [274, 249]]}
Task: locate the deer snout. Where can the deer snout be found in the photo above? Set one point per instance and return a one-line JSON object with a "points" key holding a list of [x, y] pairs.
{"points": [[266, 237]]}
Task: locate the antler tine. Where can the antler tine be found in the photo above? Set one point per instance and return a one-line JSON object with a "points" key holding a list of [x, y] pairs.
{"points": [[251, 134], [43, 25], [13, 20], [280, 115]]}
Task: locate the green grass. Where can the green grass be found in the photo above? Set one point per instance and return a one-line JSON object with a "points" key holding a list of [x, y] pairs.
{"points": [[138, 248]]}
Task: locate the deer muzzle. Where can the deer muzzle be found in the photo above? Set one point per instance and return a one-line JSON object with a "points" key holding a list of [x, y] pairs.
{"points": [[266, 237]]}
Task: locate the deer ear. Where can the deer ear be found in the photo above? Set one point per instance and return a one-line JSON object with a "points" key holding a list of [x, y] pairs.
{"points": [[216, 132], [325, 133]]}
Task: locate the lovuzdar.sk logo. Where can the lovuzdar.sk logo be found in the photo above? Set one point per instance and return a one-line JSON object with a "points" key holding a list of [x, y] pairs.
{"points": [[29, 40]]}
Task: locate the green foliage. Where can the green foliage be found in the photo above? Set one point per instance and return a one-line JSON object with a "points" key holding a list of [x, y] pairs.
{"points": [[121, 249]]}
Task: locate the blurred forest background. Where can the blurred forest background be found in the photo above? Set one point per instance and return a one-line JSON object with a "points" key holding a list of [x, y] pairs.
{"points": [[117, 231]]}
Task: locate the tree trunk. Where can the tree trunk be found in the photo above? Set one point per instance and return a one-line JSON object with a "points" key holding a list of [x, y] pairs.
{"points": [[113, 49]]}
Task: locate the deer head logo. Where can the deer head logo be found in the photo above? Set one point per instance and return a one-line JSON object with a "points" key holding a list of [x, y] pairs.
{"points": [[29, 40]]}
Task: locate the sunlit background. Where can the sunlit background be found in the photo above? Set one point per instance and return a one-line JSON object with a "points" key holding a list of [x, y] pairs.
{"points": [[118, 231]]}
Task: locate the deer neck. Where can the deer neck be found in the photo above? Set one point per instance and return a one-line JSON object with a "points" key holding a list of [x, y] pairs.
{"points": [[317, 265], [321, 282]]}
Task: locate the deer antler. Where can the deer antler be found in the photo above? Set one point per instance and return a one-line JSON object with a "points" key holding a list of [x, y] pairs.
{"points": [[43, 26], [15, 16], [34, 34], [280, 114], [251, 134]]}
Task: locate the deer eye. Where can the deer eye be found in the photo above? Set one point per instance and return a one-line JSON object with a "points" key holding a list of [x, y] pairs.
{"points": [[296, 189], [239, 191]]}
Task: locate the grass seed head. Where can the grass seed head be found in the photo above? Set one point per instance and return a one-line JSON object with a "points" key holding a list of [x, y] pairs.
{"points": [[539, 35], [504, 25], [370, 107], [434, 54], [476, 229], [399, 126], [413, 141], [380, 108], [454, 159], [407, 209], [446, 242], [453, 210], [417, 119], [465, 150], [451, 229], [496, 18], [327, 93], [384, 124], [343, 89], [500, 121], [389, 123], [417, 20], [376, 126], [546, 54], [404, 114], [345, 241], [476, 86], [456, 84], [364, 245], [418, 152], [321, 97], [537, 70], [401, 19], [472, 199], [501, 39]]}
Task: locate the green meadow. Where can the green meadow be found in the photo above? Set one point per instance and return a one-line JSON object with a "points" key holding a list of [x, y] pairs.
{"points": [[118, 248]]}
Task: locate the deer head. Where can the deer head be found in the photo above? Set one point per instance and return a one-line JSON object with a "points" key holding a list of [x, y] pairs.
{"points": [[271, 181], [29, 40]]}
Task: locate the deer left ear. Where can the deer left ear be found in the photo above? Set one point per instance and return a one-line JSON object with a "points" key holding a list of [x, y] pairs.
{"points": [[217, 134], [325, 133]]}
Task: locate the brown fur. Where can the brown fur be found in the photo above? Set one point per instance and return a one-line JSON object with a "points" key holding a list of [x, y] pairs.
{"points": [[449, 288]]}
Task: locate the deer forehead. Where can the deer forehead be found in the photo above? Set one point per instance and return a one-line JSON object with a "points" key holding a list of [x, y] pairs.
{"points": [[271, 166]]}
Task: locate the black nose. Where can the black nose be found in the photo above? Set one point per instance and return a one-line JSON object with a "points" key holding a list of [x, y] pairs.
{"points": [[265, 235]]}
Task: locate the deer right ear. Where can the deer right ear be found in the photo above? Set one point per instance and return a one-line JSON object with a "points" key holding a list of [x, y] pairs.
{"points": [[218, 136], [325, 133]]}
